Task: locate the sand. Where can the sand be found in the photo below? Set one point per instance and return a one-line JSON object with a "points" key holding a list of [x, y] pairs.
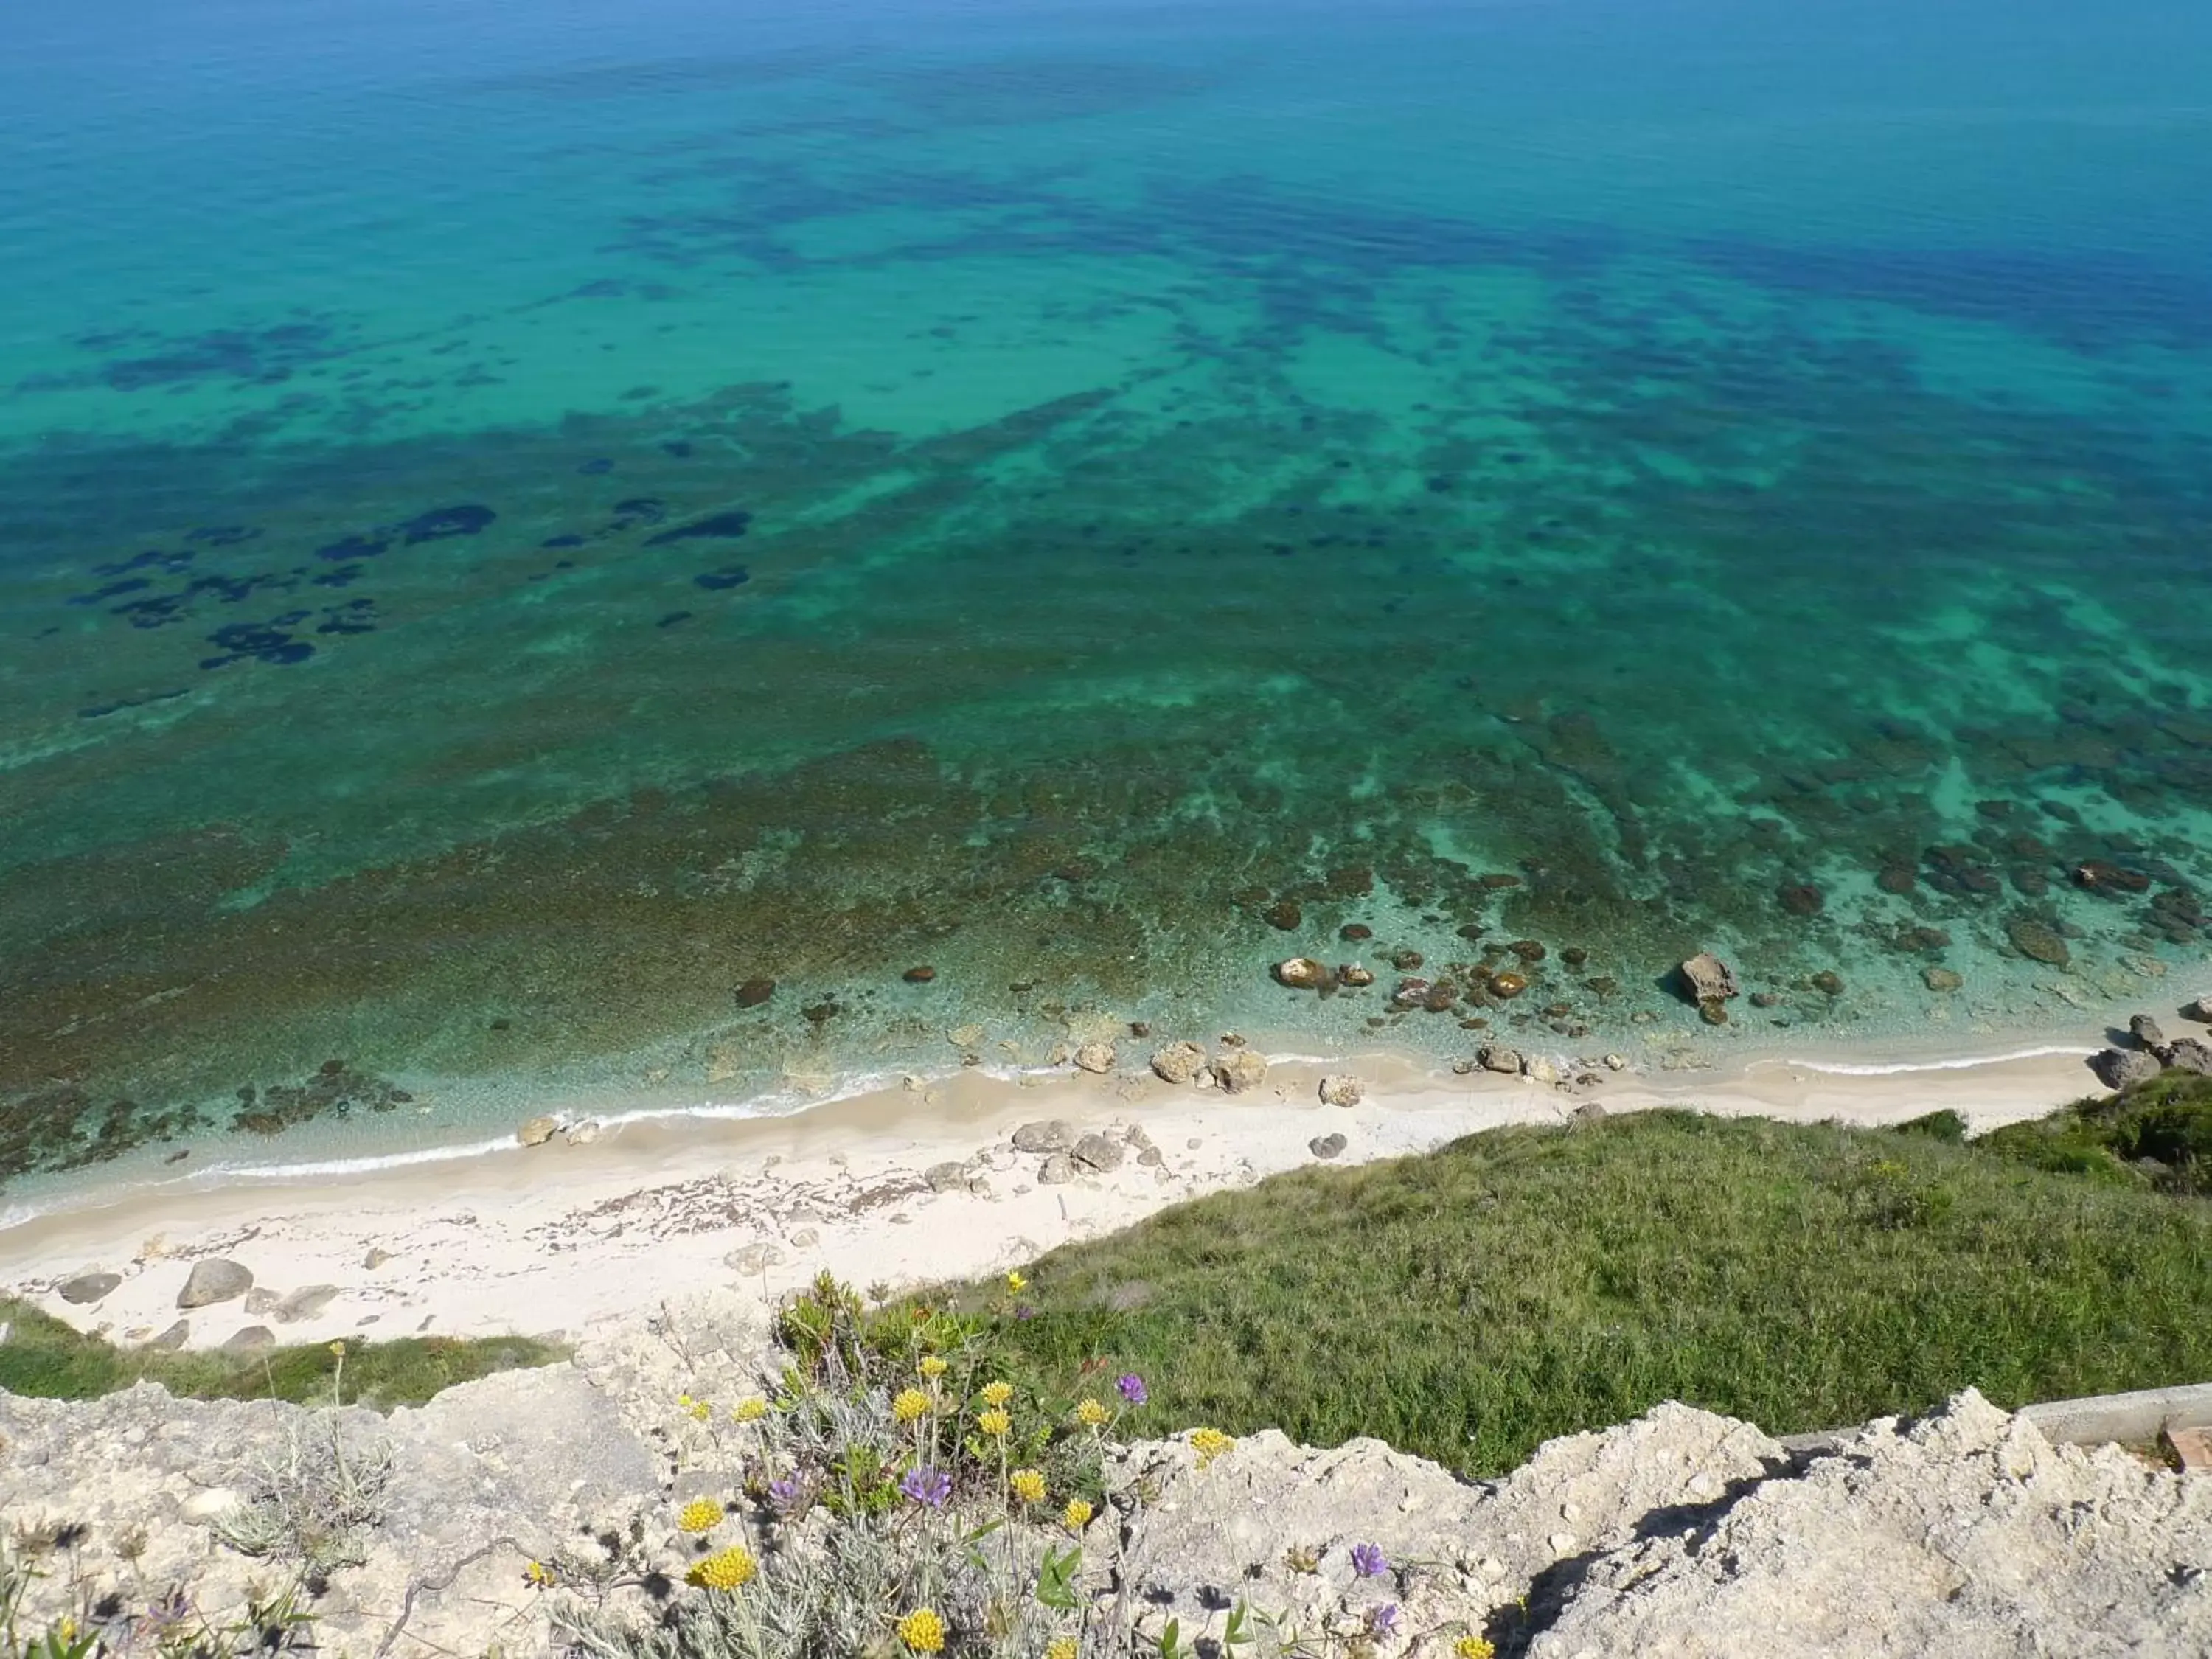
{"points": [[561, 1239]]}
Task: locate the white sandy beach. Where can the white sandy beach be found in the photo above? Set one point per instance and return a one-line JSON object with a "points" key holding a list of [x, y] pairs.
{"points": [[561, 1238]]}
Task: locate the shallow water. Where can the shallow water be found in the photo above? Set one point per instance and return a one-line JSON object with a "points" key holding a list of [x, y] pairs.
{"points": [[514, 524]]}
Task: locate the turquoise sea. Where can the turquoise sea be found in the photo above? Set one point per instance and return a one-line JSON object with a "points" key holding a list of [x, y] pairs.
{"points": [[521, 524]]}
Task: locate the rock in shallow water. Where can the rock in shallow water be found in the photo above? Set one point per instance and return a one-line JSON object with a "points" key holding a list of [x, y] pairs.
{"points": [[1242, 1070], [2037, 941], [1096, 1057], [1709, 978], [1179, 1062]]}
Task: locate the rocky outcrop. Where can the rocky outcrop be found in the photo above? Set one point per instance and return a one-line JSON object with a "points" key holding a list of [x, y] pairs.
{"points": [[1965, 1534], [2122, 1068]]}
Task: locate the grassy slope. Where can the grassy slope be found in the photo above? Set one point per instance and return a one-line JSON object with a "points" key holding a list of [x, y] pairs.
{"points": [[45, 1358], [1527, 1283]]}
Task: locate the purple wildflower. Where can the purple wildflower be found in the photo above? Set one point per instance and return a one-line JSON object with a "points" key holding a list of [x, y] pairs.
{"points": [[1367, 1561], [1133, 1389], [785, 1494], [927, 1486], [1383, 1620]]}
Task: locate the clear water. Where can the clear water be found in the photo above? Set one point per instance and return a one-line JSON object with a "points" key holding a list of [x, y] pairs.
{"points": [[515, 521]]}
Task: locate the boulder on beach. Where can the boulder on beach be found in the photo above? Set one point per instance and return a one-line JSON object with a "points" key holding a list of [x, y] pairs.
{"points": [[303, 1304], [1326, 1145], [212, 1281], [1179, 1062], [1056, 1171], [2147, 1032], [174, 1338], [1342, 1088], [1239, 1070], [1098, 1152], [538, 1131], [946, 1177], [1051, 1134], [2122, 1068], [248, 1338], [1496, 1057], [88, 1288], [2188, 1055], [2199, 1009], [1098, 1057]]}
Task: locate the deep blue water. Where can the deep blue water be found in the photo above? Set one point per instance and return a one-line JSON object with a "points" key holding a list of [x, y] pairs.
{"points": [[515, 523]]}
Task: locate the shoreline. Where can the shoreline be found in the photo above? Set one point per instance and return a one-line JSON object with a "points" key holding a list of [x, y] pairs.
{"points": [[911, 1184]]}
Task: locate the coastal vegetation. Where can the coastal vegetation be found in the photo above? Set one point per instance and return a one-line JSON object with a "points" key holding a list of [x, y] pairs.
{"points": [[1471, 1303], [43, 1357]]}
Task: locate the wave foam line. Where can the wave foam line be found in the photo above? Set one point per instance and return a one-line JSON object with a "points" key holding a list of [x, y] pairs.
{"points": [[1843, 1068]]}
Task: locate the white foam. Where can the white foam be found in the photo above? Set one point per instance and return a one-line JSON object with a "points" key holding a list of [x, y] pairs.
{"points": [[1895, 1068]]}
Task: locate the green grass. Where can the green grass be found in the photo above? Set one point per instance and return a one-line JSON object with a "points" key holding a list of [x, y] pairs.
{"points": [[2158, 1134], [46, 1358], [1525, 1283]]}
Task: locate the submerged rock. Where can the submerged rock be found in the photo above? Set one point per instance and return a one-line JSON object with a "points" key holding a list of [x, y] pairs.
{"points": [[2037, 941], [1302, 973], [755, 991], [1507, 985], [1941, 978], [1356, 976]]}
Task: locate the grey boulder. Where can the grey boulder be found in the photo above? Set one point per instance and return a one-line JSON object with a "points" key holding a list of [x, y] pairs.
{"points": [[214, 1281]]}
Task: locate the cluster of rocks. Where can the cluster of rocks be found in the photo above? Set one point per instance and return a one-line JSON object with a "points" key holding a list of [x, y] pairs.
{"points": [[1069, 1154], [212, 1281], [1235, 1069], [2152, 1052], [539, 1130]]}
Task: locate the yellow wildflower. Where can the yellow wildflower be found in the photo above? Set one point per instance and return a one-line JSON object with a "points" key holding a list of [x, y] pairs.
{"points": [[725, 1569], [1092, 1414], [1027, 1485], [922, 1630], [699, 1410], [1077, 1516], [699, 1515], [1209, 1443], [1473, 1647], [1017, 1283], [539, 1575], [997, 1393], [994, 1422], [931, 1367], [911, 1405], [751, 1409], [1062, 1647], [338, 1350]]}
